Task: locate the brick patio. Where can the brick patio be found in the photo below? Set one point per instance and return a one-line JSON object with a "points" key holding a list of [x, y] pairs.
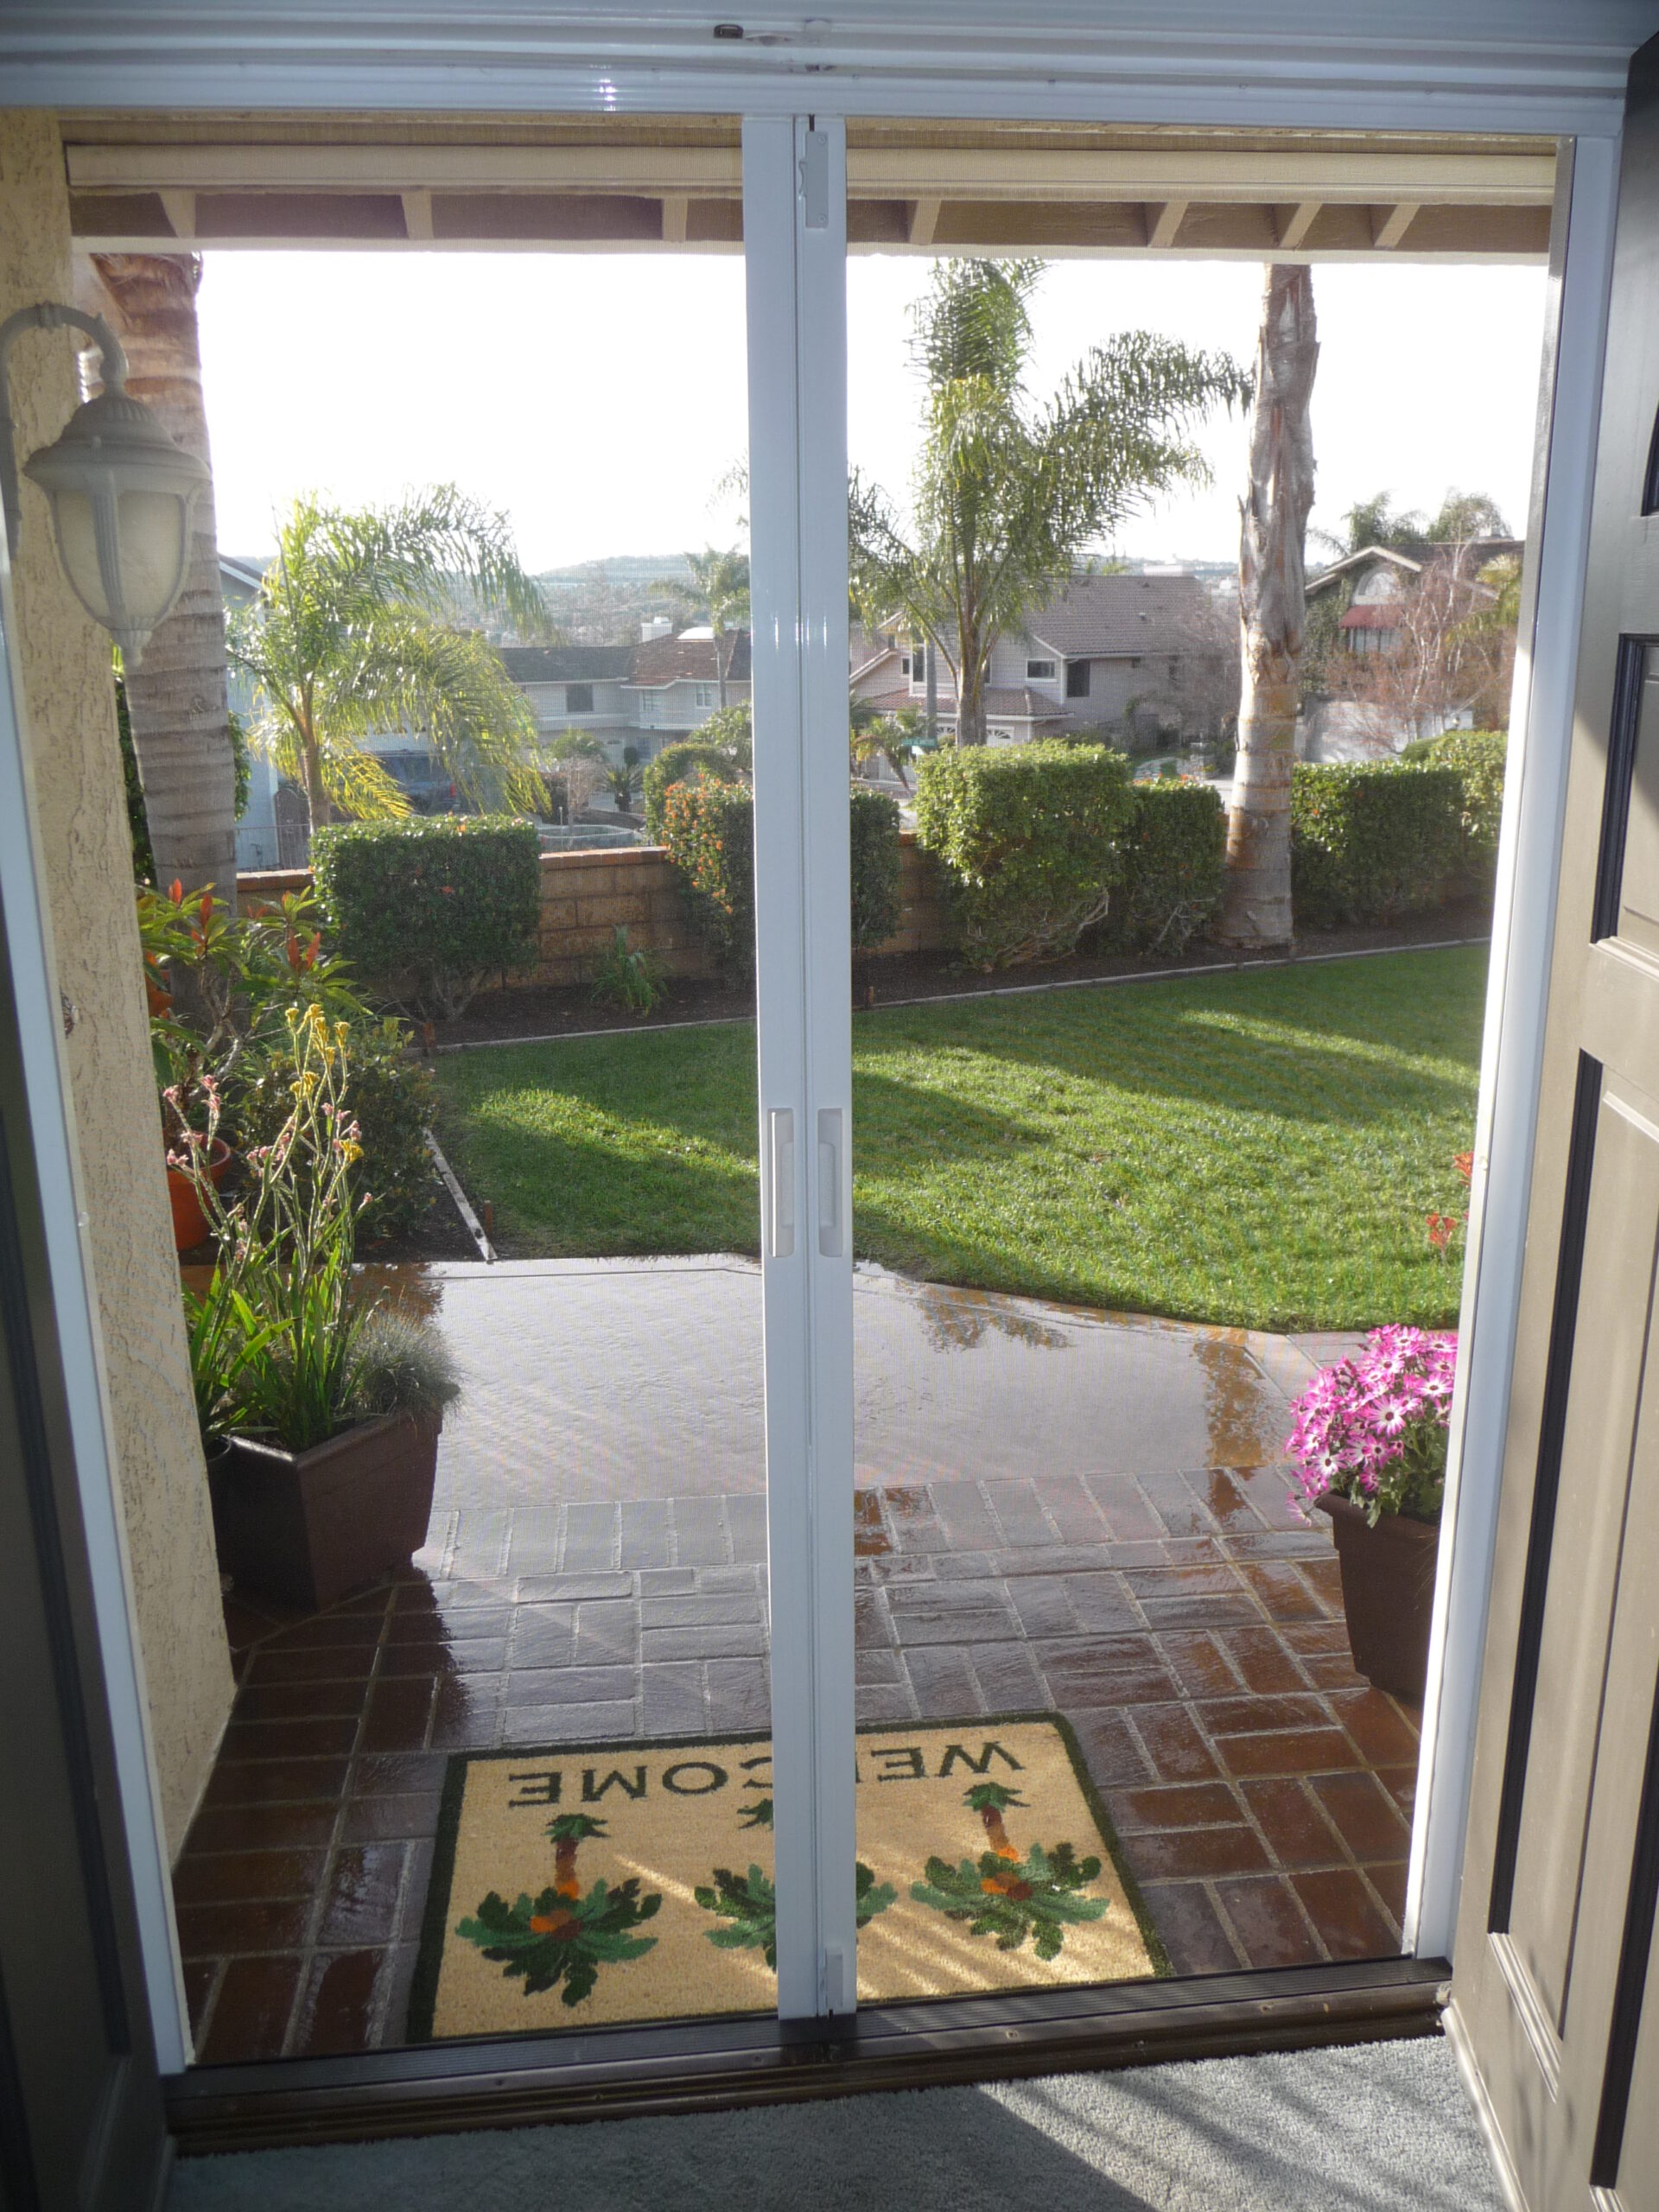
{"points": [[1185, 1623]]}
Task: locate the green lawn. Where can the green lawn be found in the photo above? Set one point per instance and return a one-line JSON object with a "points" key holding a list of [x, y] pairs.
{"points": [[1259, 1150]]}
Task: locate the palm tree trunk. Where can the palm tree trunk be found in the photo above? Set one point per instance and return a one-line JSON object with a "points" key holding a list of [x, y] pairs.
{"points": [[176, 695], [970, 695], [1272, 609]]}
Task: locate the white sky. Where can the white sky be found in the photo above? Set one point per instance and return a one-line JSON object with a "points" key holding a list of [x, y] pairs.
{"points": [[600, 398]]}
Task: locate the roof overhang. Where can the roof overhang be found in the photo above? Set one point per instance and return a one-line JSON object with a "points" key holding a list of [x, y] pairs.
{"points": [[142, 183]]}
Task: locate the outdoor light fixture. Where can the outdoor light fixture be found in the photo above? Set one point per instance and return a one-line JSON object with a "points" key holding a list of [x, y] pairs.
{"points": [[122, 493]]}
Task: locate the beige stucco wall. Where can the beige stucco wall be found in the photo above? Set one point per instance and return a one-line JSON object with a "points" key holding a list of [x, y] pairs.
{"points": [[69, 705]]}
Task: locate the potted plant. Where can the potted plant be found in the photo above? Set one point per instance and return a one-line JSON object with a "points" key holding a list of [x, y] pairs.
{"points": [[1369, 1446], [331, 1403]]}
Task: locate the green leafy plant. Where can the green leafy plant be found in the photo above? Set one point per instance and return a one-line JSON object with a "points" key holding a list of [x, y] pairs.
{"points": [[563, 1934], [1009, 1896], [628, 976], [1373, 840], [427, 909], [300, 1356], [1030, 840], [1174, 855], [693, 760]]}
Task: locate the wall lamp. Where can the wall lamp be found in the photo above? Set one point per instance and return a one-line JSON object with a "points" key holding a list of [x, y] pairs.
{"points": [[121, 491]]}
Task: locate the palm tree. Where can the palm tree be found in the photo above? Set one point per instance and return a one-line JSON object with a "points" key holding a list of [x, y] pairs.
{"points": [[1272, 613], [747, 1904], [717, 589], [175, 697], [1010, 495], [350, 639]]}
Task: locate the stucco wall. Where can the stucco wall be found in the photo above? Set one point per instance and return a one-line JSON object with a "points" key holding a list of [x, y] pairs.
{"points": [[69, 705]]}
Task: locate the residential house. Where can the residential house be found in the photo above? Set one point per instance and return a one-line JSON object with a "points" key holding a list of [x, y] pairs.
{"points": [[1131, 654]]}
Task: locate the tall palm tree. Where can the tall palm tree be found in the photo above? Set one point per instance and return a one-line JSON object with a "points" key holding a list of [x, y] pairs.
{"points": [[717, 589], [350, 637], [1271, 611], [175, 696], [1009, 494]]}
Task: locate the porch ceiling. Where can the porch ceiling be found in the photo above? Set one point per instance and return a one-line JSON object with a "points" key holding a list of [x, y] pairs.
{"points": [[141, 183]]}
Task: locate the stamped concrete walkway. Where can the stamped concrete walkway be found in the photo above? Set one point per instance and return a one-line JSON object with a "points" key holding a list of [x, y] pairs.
{"points": [[1057, 1510]]}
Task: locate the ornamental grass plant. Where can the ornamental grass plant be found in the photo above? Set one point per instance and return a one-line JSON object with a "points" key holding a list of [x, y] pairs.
{"points": [[1374, 1429]]}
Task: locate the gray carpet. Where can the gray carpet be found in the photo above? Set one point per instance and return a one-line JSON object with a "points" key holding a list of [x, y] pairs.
{"points": [[1380, 2128]]}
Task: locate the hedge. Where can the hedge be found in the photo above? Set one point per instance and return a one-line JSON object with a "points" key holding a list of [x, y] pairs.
{"points": [[875, 837], [1174, 855], [709, 830], [1029, 842], [1478, 756], [678, 764], [427, 908], [1372, 840]]}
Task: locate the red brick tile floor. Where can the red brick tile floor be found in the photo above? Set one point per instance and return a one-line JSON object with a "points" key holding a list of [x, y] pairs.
{"points": [[1186, 1624]]}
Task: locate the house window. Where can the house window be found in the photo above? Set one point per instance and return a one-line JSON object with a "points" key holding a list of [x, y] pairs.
{"points": [[904, 663], [708, 696], [578, 698], [1039, 671], [918, 665], [1174, 668], [1077, 679]]}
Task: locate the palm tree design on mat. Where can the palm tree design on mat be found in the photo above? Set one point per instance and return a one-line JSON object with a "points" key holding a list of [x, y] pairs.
{"points": [[1009, 1896], [562, 1935], [748, 1902]]}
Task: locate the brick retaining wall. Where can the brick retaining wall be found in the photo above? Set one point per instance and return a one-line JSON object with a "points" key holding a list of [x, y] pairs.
{"points": [[585, 895]]}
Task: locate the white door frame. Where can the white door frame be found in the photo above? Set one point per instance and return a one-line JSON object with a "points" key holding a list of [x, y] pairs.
{"points": [[795, 249], [1500, 67]]}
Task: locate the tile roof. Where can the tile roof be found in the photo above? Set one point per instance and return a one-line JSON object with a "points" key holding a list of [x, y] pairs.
{"points": [[1373, 614], [566, 664], [1020, 705], [671, 660], [1108, 616]]}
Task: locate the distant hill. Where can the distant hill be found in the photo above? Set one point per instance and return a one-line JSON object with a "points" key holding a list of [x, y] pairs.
{"points": [[620, 568]]}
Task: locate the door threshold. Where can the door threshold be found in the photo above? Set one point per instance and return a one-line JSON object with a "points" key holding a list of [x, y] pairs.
{"points": [[713, 2064]]}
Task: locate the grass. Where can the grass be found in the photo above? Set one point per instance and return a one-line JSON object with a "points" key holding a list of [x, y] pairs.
{"points": [[1259, 1150]]}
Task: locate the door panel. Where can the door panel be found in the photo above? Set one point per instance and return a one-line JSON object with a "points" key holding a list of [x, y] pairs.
{"points": [[1553, 2003]]}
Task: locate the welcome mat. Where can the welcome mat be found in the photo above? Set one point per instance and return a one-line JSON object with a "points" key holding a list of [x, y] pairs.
{"points": [[634, 1881]]}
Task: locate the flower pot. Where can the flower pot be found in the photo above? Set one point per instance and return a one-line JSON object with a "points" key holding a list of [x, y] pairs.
{"points": [[189, 1223], [309, 1528], [1388, 1593]]}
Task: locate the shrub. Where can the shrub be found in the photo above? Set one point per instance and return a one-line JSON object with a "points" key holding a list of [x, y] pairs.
{"points": [[1030, 840], [1372, 840], [709, 830], [874, 828], [427, 908], [690, 761], [1478, 756], [1174, 853]]}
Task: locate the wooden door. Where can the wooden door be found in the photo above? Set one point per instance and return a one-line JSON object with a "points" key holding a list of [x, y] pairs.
{"points": [[81, 2125], [1556, 1987]]}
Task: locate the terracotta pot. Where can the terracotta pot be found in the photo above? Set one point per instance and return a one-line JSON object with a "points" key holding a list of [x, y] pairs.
{"points": [[189, 1223], [308, 1528], [1388, 1593]]}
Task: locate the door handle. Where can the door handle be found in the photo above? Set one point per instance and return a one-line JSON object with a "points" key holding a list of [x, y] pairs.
{"points": [[781, 1181], [832, 1181]]}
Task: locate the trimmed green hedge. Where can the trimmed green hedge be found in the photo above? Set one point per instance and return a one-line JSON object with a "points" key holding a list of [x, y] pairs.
{"points": [[1373, 840], [690, 760], [873, 826], [1478, 756], [709, 830], [427, 908], [1030, 840], [1174, 855]]}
